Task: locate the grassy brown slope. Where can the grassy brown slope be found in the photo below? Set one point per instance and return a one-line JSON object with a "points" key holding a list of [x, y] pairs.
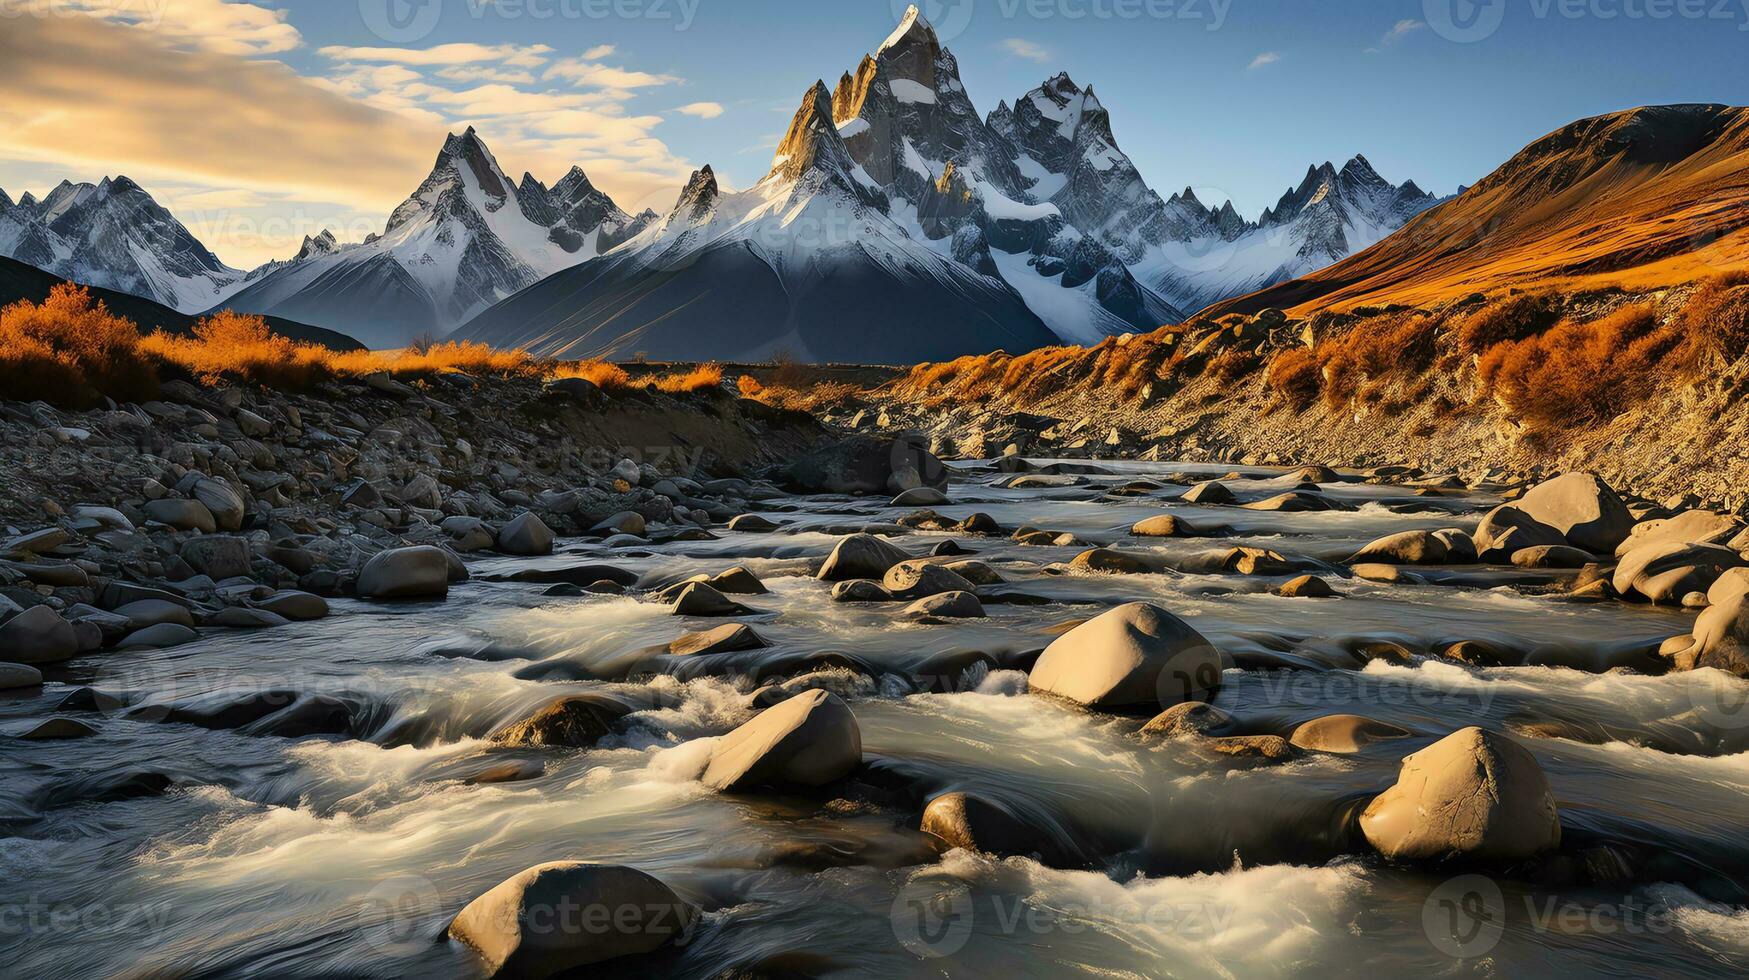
{"points": [[1638, 200]]}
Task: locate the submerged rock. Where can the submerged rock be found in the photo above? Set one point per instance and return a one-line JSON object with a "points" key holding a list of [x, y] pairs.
{"points": [[727, 638], [578, 721], [1475, 795], [1344, 734], [974, 823], [553, 918]]}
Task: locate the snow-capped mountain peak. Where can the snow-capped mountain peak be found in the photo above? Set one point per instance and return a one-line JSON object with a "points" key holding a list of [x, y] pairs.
{"points": [[466, 238], [114, 235]]}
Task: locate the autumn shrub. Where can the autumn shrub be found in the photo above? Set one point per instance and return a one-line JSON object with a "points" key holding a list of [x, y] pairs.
{"points": [[1510, 318], [1404, 343], [606, 376], [1295, 376], [1232, 364], [236, 347], [1579, 372], [701, 378], [1714, 321], [70, 350]]}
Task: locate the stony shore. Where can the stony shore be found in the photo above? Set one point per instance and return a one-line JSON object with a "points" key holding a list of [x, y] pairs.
{"points": [[242, 507]]}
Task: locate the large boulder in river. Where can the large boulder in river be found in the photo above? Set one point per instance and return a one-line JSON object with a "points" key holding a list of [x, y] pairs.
{"points": [[1474, 795], [1506, 530], [1583, 508], [810, 740], [867, 465], [1688, 527], [1212, 492], [1720, 639], [406, 573], [38, 635], [555, 918], [916, 579], [1137, 655], [860, 556], [1666, 572], [526, 535], [1344, 734], [577, 721], [1406, 548], [978, 824], [1164, 526]]}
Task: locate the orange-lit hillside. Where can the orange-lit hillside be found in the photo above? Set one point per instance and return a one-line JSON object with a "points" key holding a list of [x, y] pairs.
{"points": [[1641, 199]]}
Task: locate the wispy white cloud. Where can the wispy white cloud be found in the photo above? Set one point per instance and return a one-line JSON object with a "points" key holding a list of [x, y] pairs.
{"points": [[514, 55], [703, 110], [1263, 60], [587, 71], [1022, 48], [1400, 30]]}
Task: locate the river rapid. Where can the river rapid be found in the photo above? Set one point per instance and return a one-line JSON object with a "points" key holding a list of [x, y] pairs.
{"points": [[324, 856]]}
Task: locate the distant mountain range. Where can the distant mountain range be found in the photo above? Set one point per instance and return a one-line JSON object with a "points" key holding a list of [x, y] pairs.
{"points": [[895, 225]]}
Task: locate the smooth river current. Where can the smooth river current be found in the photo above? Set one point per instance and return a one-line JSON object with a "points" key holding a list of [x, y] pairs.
{"points": [[346, 857]]}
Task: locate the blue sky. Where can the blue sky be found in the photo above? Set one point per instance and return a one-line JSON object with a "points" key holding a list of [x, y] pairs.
{"points": [[266, 121]]}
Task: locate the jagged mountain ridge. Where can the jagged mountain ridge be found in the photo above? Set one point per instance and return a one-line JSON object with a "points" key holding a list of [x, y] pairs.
{"points": [[114, 235], [467, 238], [806, 263]]}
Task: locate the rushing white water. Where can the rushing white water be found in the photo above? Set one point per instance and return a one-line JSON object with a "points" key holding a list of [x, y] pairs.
{"points": [[330, 856]]}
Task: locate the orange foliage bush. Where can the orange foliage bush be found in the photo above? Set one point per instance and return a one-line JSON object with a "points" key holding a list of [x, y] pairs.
{"points": [[1579, 372], [1512, 318], [1404, 342], [607, 377], [701, 378], [1714, 321], [70, 350], [1295, 376], [232, 346]]}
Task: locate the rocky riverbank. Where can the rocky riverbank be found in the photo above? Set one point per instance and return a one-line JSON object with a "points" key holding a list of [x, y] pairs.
{"points": [[141, 525], [1376, 387]]}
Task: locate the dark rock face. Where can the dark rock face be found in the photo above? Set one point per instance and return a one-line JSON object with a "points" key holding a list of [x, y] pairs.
{"points": [[862, 464]]}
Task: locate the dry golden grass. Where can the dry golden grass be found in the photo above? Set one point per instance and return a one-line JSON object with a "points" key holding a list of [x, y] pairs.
{"points": [[71, 350], [607, 377], [1579, 372], [701, 378]]}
